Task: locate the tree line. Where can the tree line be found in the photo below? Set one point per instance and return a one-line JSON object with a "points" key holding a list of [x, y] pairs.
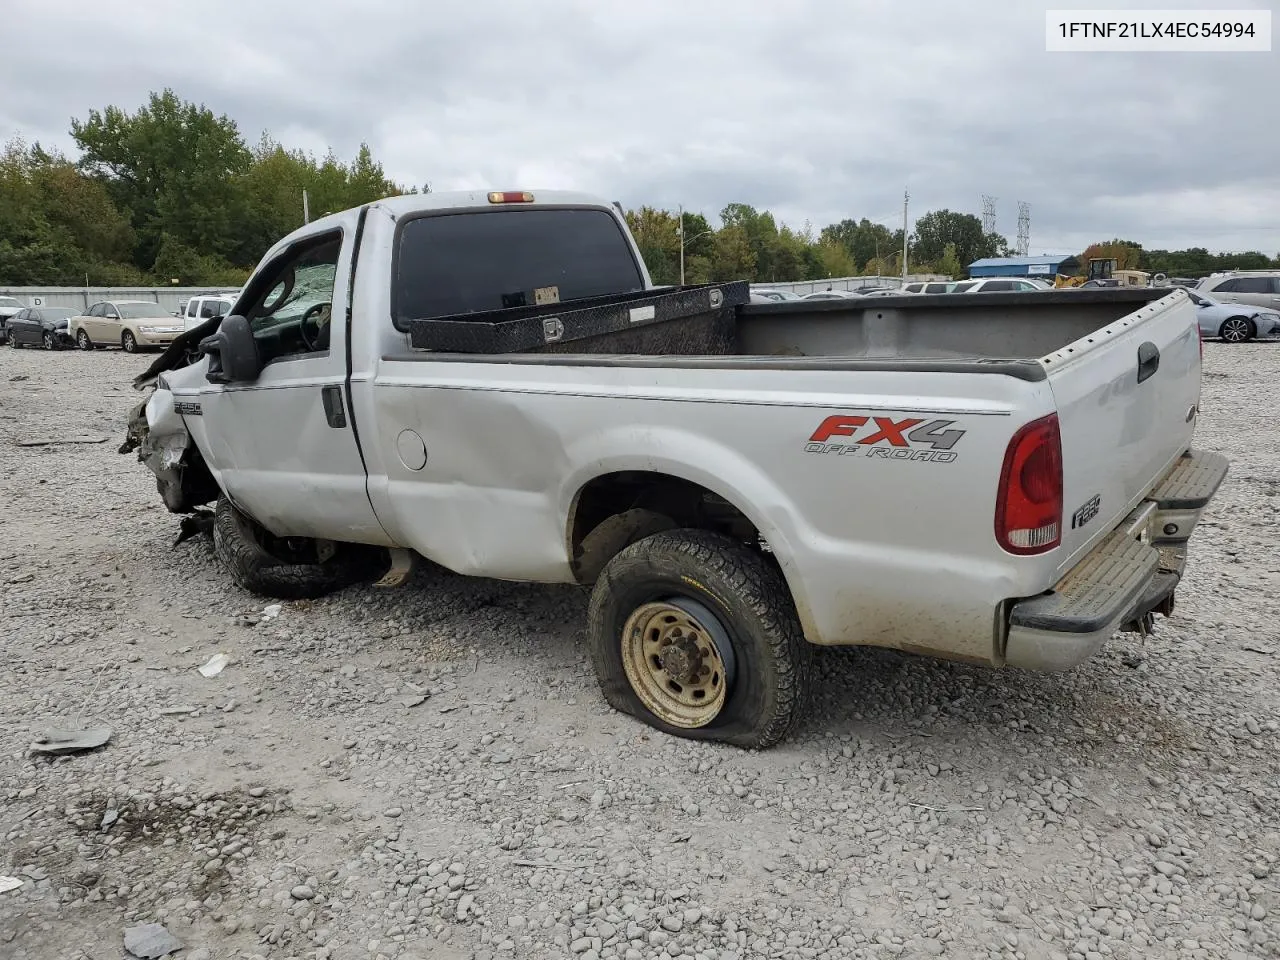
{"points": [[172, 192]]}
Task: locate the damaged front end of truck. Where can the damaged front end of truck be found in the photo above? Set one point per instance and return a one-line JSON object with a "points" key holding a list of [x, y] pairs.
{"points": [[157, 431]]}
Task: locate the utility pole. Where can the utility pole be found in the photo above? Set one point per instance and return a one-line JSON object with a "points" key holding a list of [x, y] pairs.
{"points": [[306, 210], [906, 197], [680, 207]]}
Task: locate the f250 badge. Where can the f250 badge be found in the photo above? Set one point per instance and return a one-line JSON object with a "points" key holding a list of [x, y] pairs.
{"points": [[886, 438], [1087, 512]]}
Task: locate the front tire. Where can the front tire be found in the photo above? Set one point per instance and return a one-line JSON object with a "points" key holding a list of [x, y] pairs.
{"points": [[83, 341], [47, 340], [128, 343], [670, 612], [1237, 330], [239, 544]]}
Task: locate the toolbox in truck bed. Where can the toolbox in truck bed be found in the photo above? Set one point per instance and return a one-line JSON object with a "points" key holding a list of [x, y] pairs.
{"points": [[674, 320]]}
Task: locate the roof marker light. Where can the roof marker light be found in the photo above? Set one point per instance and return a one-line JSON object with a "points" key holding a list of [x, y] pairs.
{"points": [[510, 196]]}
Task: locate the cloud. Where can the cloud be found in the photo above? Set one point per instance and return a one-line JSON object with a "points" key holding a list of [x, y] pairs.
{"points": [[815, 109]]}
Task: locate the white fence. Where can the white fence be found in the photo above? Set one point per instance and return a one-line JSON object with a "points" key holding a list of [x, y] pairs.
{"points": [[846, 283], [82, 298]]}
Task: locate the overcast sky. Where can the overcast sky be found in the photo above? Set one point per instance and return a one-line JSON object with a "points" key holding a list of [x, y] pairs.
{"points": [[813, 109]]}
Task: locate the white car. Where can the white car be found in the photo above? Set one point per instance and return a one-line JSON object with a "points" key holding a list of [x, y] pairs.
{"points": [[777, 296], [205, 307], [502, 391], [1233, 322], [1001, 285]]}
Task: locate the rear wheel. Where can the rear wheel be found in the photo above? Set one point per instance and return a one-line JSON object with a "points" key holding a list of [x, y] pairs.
{"points": [[275, 568], [83, 341], [1237, 330], [696, 635], [128, 342]]}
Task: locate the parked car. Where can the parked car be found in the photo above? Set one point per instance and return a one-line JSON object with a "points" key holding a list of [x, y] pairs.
{"points": [[1259, 288], [8, 307], [1001, 285], [131, 325], [829, 295], [1233, 322], [933, 286], [202, 308], [734, 482], [776, 295], [40, 327]]}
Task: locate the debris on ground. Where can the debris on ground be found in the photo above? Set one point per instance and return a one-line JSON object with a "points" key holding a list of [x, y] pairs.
{"points": [[71, 741], [9, 883], [215, 665], [194, 524], [270, 612], [150, 940], [59, 441]]}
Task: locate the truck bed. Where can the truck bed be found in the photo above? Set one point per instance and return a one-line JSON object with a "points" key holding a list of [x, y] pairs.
{"points": [[1006, 330], [992, 326]]}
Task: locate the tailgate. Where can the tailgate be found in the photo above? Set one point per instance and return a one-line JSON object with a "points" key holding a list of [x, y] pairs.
{"points": [[1127, 398]]}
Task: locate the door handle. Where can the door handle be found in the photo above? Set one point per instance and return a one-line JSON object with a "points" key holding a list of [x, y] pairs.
{"points": [[334, 412], [1148, 360]]}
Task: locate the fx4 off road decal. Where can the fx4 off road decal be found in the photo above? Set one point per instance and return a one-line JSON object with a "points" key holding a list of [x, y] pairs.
{"points": [[886, 438]]}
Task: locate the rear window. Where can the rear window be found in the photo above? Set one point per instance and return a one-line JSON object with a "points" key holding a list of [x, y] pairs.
{"points": [[459, 263]]}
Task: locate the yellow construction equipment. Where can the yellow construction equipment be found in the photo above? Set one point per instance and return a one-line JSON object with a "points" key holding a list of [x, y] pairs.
{"points": [[1104, 268]]}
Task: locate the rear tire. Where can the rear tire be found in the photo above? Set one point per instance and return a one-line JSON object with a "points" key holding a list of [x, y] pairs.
{"points": [[239, 544], [705, 599], [128, 343], [1237, 330]]}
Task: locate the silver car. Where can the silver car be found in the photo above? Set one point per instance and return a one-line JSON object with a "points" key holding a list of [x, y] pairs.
{"points": [[1261, 288], [1233, 322]]}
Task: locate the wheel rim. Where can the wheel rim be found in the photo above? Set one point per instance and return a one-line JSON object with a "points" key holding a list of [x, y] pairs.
{"points": [[1235, 330], [48, 341], [128, 343], [678, 660], [83, 338]]}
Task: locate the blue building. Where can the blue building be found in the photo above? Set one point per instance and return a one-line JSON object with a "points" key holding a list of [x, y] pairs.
{"points": [[1046, 265]]}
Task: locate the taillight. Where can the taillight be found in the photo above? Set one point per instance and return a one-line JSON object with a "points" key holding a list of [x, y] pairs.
{"points": [[1029, 504]]}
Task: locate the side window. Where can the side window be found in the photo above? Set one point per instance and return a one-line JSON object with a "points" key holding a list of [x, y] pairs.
{"points": [[290, 306], [95, 310], [109, 311], [208, 308], [1253, 285], [221, 308], [1226, 286], [996, 286], [193, 306]]}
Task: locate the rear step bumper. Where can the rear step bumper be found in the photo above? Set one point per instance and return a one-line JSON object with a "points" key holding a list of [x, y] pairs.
{"points": [[1132, 573]]}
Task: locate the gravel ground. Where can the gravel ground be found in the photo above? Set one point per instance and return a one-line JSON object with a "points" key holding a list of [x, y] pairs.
{"points": [[308, 802]]}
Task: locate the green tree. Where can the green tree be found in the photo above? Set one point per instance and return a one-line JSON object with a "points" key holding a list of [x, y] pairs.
{"points": [[174, 167], [950, 264], [734, 258], [936, 229]]}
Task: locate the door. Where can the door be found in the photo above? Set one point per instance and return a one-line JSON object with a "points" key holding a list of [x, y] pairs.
{"points": [[92, 322], [109, 325], [284, 445], [20, 326], [191, 319]]}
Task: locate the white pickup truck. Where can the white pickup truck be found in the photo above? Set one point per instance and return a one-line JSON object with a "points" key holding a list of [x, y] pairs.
{"points": [[492, 382]]}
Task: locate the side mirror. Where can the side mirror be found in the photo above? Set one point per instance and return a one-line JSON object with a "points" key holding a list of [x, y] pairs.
{"points": [[233, 352]]}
